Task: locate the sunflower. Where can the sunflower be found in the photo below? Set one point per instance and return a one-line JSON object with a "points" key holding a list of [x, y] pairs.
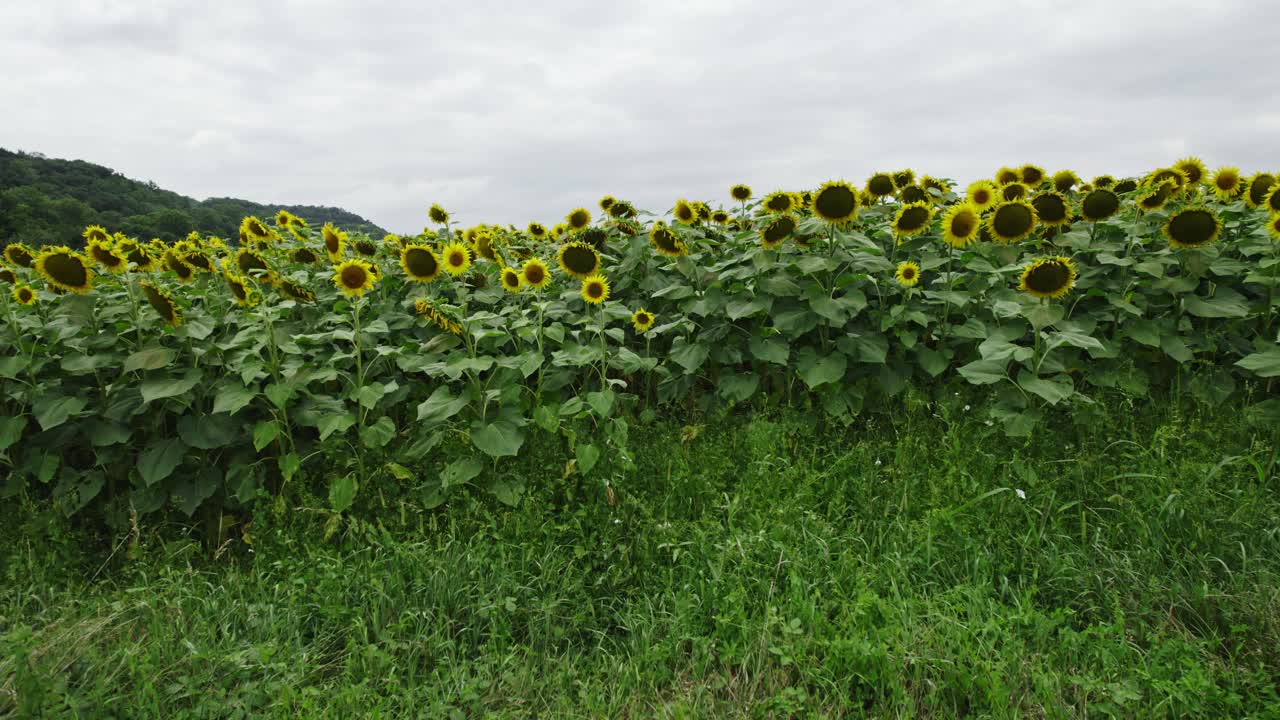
{"points": [[577, 219], [354, 277], [1126, 185], [63, 269], [163, 303], [1193, 168], [836, 202], [304, 255], [19, 254], [438, 214], [777, 231], [740, 192], [366, 247], [1259, 187], [537, 230], [1012, 221], [284, 218], [95, 233], [254, 229], [960, 225], [1103, 181], [1272, 201], [1273, 227], [903, 178], [720, 217], [929, 182], [666, 242], [981, 194], [1099, 204], [880, 184], [1031, 175], [534, 273], [24, 295], [579, 260], [621, 210], [1064, 180], [1049, 277], [908, 274], [1192, 227], [420, 263], [1006, 175], [1227, 183], [138, 256], [557, 231], [595, 289], [251, 263], [198, 260], [511, 281], [1014, 191], [294, 291], [780, 201], [684, 212], [102, 253], [334, 241], [173, 262], [423, 307], [912, 218], [456, 258], [1052, 208], [642, 320], [606, 202], [1154, 198], [703, 210], [6, 275], [913, 194], [244, 295]]}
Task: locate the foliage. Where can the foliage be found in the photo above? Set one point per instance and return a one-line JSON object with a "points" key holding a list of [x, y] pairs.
{"points": [[269, 369], [49, 202], [921, 564]]}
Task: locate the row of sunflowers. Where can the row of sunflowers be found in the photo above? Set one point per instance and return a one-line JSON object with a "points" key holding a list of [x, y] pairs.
{"points": [[206, 372]]}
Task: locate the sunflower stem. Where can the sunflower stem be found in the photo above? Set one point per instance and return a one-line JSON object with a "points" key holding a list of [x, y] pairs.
{"points": [[604, 353], [946, 301], [355, 341]]}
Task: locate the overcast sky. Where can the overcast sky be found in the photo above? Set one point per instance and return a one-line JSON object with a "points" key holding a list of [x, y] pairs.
{"points": [[509, 112]]}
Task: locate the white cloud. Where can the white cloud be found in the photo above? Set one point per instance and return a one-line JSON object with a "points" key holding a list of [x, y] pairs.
{"points": [[507, 113]]}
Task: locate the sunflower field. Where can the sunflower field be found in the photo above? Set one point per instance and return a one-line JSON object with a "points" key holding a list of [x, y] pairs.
{"points": [[139, 376]]}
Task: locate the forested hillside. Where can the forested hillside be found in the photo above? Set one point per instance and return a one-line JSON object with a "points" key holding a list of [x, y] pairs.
{"points": [[43, 201]]}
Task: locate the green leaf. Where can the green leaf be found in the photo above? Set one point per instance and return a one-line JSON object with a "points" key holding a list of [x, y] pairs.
{"points": [[379, 433], [498, 439], [441, 406], [985, 371], [342, 492], [737, 388], [193, 489], [11, 366], [1226, 303], [586, 455], [399, 471], [279, 394], [103, 433], [769, 350], [232, 397], [461, 471], [340, 422], [167, 387], [208, 432], [264, 433], [547, 418], [866, 348], [738, 309], [689, 356], [818, 370], [1075, 339], [11, 430], [509, 490], [1053, 389], [1042, 315], [289, 465], [1264, 364], [369, 395], [1175, 348], [601, 402], [150, 358], [931, 360], [160, 459], [52, 411]]}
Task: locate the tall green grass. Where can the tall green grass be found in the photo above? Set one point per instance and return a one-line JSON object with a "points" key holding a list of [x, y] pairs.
{"points": [[1126, 565]]}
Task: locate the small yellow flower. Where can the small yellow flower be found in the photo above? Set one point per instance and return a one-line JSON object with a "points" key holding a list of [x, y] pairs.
{"points": [[908, 274], [456, 258], [642, 320], [354, 277], [595, 289]]}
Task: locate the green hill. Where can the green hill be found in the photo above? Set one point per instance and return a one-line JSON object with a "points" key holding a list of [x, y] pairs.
{"points": [[46, 201]]}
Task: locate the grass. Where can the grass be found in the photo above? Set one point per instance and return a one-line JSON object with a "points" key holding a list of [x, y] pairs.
{"points": [[916, 565]]}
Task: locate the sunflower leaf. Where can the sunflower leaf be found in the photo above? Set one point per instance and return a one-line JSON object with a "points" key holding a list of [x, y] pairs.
{"points": [[1264, 364], [11, 430], [342, 492], [769, 350], [150, 358], [499, 439], [1054, 389], [587, 455], [167, 387], [159, 460], [817, 370], [264, 433], [441, 406], [379, 433], [51, 412], [232, 397], [460, 472]]}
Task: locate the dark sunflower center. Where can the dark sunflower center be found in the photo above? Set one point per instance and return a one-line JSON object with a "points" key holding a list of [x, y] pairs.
{"points": [[1032, 176], [421, 263], [257, 228], [67, 270], [1008, 176], [963, 223], [1100, 205], [511, 278], [25, 295], [238, 289], [1012, 221], [684, 212], [835, 203], [903, 178], [537, 230], [982, 196], [666, 240], [534, 274], [157, 300], [457, 258], [1259, 188], [248, 262], [105, 256], [913, 193], [644, 318], [1273, 201], [304, 255], [1155, 198], [913, 218], [354, 277], [19, 256], [331, 241], [779, 229], [780, 203], [908, 273], [1049, 278], [1050, 208], [1192, 228], [740, 192], [595, 290], [1125, 186], [579, 219], [880, 185], [581, 260], [1014, 191], [1063, 183], [1226, 181]]}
